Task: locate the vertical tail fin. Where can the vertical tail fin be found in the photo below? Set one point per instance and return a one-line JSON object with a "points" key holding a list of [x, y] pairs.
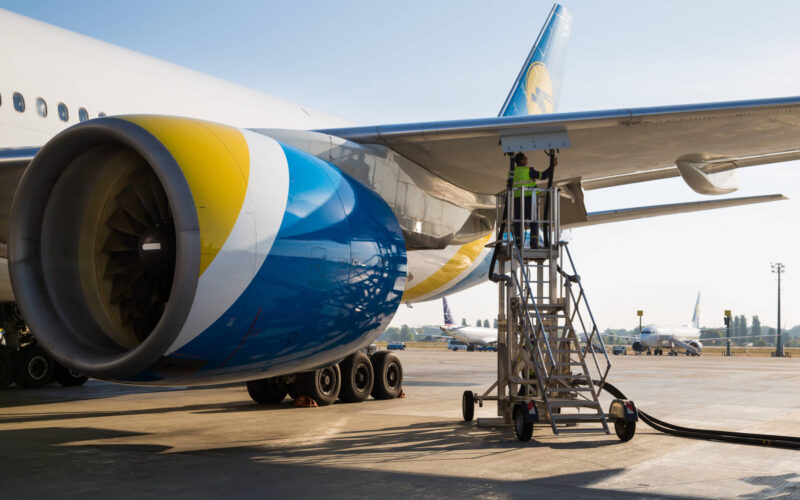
{"points": [[538, 84], [696, 315], [448, 316]]}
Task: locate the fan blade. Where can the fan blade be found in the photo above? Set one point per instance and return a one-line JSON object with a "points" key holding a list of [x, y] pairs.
{"points": [[121, 263], [129, 202], [118, 241], [142, 189], [161, 199], [123, 222]]}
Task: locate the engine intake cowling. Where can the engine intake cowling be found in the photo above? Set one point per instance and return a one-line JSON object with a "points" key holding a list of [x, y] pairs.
{"points": [[154, 249]]}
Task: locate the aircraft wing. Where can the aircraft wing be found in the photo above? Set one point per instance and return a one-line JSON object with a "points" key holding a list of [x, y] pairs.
{"points": [[700, 142]]}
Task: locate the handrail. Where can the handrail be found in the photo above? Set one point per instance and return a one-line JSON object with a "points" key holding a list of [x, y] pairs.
{"points": [[595, 330]]}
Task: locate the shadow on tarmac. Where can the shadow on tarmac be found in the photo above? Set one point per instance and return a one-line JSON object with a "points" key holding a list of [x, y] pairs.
{"points": [[52, 461]]}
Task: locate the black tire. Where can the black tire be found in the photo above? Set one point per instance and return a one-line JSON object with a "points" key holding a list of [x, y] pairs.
{"points": [[625, 430], [6, 368], [357, 378], [322, 385], [388, 375], [34, 368], [471, 347], [523, 429], [67, 377], [266, 391], [468, 406]]}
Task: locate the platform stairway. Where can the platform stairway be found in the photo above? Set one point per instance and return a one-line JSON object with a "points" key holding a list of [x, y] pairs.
{"points": [[549, 347]]}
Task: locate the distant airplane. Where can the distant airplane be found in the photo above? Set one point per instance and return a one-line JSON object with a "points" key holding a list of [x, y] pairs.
{"points": [[654, 338], [470, 335], [686, 337]]}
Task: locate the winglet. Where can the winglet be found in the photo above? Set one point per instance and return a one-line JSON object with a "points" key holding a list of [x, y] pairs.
{"points": [[696, 315], [538, 85]]}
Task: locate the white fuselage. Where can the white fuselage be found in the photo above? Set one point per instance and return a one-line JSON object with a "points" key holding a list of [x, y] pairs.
{"points": [[472, 334], [664, 335]]}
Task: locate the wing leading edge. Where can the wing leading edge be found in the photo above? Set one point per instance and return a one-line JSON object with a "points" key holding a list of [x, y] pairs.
{"points": [[607, 148]]}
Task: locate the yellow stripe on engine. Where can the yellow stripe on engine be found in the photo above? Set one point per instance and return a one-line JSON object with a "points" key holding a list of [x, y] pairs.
{"points": [[457, 264], [215, 160]]}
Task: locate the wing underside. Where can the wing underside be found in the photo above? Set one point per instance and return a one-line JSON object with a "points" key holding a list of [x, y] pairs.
{"points": [[603, 148]]}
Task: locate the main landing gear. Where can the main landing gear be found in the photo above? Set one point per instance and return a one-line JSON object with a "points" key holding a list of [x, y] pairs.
{"points": [[352, 380], [23, 361]]}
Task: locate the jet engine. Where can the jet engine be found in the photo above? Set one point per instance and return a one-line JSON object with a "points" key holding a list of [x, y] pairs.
{"points": [[637, 346], [163, 250]]}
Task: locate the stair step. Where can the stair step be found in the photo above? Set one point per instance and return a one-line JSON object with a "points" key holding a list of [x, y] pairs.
{"points": [[582, 430], [573, 403], [571, 363], [568, 389], [577, 417], [546, 306]]}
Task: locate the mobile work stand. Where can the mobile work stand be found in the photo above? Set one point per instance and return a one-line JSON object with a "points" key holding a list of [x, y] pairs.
{"points": [[551, 360]]}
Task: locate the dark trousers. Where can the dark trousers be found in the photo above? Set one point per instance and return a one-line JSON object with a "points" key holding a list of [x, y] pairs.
{"points": [[519, 229]]}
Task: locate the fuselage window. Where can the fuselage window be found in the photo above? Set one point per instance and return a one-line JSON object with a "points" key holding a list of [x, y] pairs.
{"points": [[19, 102], [83, 115], [41, 107], [63, 112], [101, 114]]}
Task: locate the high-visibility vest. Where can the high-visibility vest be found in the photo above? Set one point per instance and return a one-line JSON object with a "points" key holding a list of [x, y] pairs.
{"points": [[522, 178]]}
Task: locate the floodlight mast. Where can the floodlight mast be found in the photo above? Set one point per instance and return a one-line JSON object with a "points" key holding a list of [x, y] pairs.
{"points": [[778, 268]]}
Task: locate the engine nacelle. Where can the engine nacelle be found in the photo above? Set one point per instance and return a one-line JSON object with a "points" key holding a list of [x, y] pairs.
{"points": [[162, 250], [637, 346]]}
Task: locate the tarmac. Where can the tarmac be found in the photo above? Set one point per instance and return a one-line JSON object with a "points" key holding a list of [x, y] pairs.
{"points": [[109, 441]]}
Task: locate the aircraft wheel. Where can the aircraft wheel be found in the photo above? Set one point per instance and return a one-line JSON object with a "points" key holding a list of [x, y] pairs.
{"points": [[388, 375], [625, 430], [357, 378], [523, 429], [266, 391], [67, 377], [468, 406], [6, 368], [34, 368], [471, 347], [322, 385]]}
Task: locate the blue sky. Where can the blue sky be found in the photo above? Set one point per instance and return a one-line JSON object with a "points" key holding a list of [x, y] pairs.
{"points": [[381, 62]]}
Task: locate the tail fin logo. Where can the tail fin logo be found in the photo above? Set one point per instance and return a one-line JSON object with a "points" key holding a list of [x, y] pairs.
{"points": [[539, 89], [448, 316]]}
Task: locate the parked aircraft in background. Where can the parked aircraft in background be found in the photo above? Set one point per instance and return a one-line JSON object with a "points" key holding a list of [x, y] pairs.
{"points": [[470, 335]]}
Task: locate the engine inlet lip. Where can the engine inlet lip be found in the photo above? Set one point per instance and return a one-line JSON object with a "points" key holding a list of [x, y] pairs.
{"points": [[25, 249]]}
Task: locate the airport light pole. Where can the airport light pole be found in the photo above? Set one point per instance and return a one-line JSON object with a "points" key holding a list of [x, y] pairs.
{"points": [[728, 332], [640, 313], [778, 268]]}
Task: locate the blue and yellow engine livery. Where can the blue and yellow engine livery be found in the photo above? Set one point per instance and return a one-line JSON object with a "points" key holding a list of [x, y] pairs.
{"points": [[170, 250]]}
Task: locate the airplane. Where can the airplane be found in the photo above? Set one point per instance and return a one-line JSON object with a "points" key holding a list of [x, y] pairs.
{"points": [[470, 335], [159, 226], [657, 337], [654, 338]]}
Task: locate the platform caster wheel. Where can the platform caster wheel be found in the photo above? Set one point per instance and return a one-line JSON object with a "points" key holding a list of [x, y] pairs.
{"points": [[34, 368], [6, 368], [468, 406], [523, 429], [388, 375], [625, 430], [322, 385], [69, 378], [266, 391], [357, 378]]}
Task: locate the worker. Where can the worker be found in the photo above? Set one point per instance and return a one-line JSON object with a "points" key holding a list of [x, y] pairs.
{"points": [[524, 176]]}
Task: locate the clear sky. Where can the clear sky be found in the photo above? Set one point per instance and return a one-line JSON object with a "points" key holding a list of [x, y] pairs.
{"points": [[382, 62]]}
